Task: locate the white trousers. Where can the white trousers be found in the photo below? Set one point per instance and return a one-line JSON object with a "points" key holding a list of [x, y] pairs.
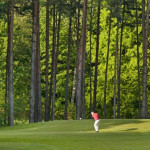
{"points": [[96, 124]]}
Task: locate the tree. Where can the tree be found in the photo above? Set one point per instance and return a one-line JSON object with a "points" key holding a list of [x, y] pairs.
{"points": [[115, 70], [96, 60], [119, 63], [10, 61], [80, 63], [91, 19], [56, 57], [74, 89], [116, 14], [34, 41], [47, 102], [52, 64], [107, 60], [38, 104], [145, 22], [68, 65], [138, 61]]}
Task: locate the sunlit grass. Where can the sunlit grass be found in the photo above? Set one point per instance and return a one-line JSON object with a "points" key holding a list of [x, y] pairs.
{"points": [[77, 135]]}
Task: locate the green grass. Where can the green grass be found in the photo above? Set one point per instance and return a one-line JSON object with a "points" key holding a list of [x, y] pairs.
{"points": [[77, 135]]}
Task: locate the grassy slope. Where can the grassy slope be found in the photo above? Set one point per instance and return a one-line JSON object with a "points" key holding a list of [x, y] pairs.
{"points": [[77, 135]]}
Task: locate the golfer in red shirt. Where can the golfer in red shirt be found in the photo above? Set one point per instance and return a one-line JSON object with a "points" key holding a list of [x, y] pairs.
{"points": [[97, 120]]}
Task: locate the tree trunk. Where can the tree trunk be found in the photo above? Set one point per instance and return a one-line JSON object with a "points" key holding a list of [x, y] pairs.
{"points": [[32, 89], [80, 65], [91, 16], [10, 62], [105, 88], [74, 90], [145, 41], [115, 71], [68, 66], [37, 106], [74, 86], [52, 65], [96, 61], [138, 62], [56, 60], [83, 83], [119, 64], [39, 67], [47, 102]]}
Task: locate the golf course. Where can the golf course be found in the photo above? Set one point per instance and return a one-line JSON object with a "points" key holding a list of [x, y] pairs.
{"points": [[121, 134]]}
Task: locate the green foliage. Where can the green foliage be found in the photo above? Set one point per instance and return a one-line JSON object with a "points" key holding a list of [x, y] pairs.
{"points": [[22, 56]]}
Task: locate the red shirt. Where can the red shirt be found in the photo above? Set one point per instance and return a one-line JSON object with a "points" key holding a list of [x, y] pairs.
{"points": [[96, 116]]}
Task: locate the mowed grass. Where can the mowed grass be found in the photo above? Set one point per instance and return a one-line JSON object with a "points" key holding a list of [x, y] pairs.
{"points": [[77, 135]]}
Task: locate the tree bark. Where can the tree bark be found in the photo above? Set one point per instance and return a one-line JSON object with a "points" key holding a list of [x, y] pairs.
{"points": [[107, 59], [96, 61], [115, 71], [138, 62], [91, 16], [10, 60], [68, 66], [74, 89], [37, 106], [83, 83], [32, 89], [80, 65], [145, 41], [52, 65], [39, 66], [74, 86], [119, 64], [47, 102], [56, 59]]}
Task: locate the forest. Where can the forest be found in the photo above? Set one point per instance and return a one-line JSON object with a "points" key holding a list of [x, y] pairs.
{"points": [[62, 59]]}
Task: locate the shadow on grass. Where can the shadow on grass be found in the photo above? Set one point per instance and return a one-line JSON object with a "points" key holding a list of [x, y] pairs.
{"points": [[108, 123], [131, 129]]}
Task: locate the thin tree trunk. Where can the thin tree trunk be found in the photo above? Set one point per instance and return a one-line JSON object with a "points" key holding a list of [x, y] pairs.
{"points": [[74, 90], [32, 89], [91, 16], [105, 88], [47, 102], [74, 86], [68, 66], [80, 65], [83, 80], [145, 41], [96, 61], [119, 66], [115, 71], [83, 84], [10, 60], [52, 65], [56, 59], [39, 66], [138, 62]]}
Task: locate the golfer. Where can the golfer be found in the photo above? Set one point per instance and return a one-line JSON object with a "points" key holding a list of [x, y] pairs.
{"points": [[97, 120]]}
